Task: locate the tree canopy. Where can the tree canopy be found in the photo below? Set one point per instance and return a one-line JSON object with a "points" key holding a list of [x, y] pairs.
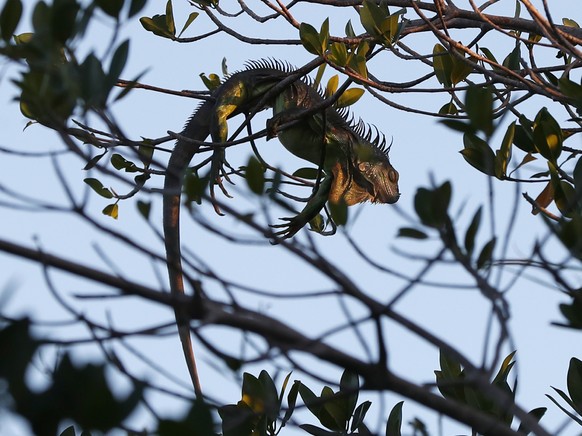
{"points": [[406, 314]]}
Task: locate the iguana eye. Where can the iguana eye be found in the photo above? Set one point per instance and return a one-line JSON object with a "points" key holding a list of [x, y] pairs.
{"points": [[364, 166]]}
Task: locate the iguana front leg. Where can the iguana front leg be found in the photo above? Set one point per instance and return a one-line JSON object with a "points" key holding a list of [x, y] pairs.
{"points": [[315, 204], [229, 101]]}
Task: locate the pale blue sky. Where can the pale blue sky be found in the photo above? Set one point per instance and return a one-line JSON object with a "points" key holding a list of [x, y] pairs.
{"points": [[421, 147]]}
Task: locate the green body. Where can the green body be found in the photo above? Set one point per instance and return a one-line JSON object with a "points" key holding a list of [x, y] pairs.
{"points": [[356, 167]]}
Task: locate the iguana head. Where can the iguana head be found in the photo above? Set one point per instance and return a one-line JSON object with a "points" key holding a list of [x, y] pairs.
{"points": [[373, 179]]}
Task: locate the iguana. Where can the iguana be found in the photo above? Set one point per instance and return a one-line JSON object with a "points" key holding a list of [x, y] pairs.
{"points": [[356, 167]]}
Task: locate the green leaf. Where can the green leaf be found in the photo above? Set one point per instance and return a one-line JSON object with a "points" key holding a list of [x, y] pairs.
{"points": [[98, 187], [339, 212], [547, 135], [270, 396], [194, 187], [93, 161], [505, 368], [339, 54], [570, 23], [120, 163], [360, 414], [211, 82], [479, 108], [332, 85], [394, 424], [324, 35], [319, 75], [512, 60], [309, 399], [503, 155], [255, 175], [431, 205], [486, 254], [189, 21], [291, 400], [488, 54], [118, 62], [350, 386], [462, 67], [253, 393], [408, 232], [310, 38], [307, 173], [94, 83], [522, 136], [9, 18], [350, 30], [170, 25], [450, 109], [111, 210], [565, 198], [571, 90], [349, 97], [472, 232], [317, 223], [372, 17], [478, 154], [161, 25], [443, 65]]}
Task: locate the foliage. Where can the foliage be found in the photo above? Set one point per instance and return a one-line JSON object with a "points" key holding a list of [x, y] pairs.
{"points": [[484, 93]]}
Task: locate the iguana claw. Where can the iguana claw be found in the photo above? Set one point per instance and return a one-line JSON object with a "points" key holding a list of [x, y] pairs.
{"points": [[290, 228]]}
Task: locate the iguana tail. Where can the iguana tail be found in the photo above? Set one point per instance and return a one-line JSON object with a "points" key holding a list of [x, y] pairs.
{"points": [[197, 128]]}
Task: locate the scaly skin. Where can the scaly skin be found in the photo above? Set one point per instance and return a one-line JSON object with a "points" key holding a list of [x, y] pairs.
{"points": [[356, 168]]}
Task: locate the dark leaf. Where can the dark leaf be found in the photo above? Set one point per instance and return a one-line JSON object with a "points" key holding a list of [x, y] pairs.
{"points": [[472, 232], [110, 7], [575, 382], [9, 18], [360, 414], [144, 208], [135, 7], [350, 387], [486, 253], [98, 187], [394, 424], [339, 212], [316, 431], [479, 108], [307, 173], [255, 175], [536, 414], [408, 232], [310, 38]]}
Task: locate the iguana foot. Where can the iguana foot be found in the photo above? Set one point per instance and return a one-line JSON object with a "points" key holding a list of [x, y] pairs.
{"points": [[290, 228]]}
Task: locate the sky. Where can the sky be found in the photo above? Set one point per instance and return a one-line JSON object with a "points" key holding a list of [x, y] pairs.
{"points": [[423, 150]]}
